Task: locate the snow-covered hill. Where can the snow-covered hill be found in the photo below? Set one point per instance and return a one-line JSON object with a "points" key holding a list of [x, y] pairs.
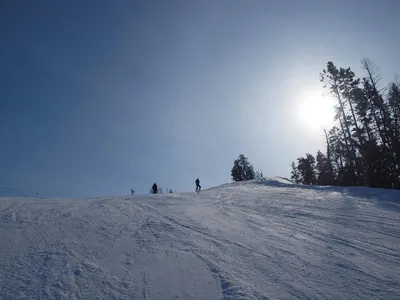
{"points": [[266, 239]]}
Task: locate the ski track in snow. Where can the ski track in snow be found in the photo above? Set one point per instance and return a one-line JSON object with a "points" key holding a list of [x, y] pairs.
{"points": [[256, 240]]}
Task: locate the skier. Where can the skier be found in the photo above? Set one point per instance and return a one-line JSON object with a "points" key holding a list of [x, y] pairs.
{"points": [[198, 186], [155, 188]]}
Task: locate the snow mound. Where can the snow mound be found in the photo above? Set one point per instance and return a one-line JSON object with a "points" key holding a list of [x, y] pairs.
{"points": [[274, 181], [262, 239]]}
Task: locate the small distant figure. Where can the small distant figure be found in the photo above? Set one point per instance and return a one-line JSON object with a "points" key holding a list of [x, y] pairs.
{"points": [[170, 191], [155, 188], [132, 191], [198, 186]]}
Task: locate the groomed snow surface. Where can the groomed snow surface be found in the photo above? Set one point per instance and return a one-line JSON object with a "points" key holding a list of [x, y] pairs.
{"points": [[266, 239]]}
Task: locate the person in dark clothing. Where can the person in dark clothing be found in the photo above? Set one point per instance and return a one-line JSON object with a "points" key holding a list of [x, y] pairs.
{"points": [[198, 186], [155, 188]]}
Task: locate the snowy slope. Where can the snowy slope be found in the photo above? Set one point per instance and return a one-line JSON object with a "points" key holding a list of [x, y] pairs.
{"points": [[267, 239]]}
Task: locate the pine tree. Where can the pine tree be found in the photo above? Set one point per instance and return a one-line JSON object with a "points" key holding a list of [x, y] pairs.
{"points": [[324, 174], [394, 104], [306, 168], [259, 175], [333, 79], [338, 154], [295, 174], [330, 170], [242, 170], [380, 112]]}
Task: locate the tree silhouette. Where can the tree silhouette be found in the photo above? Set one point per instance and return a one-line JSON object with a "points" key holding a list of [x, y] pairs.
{"points": [[242, 170]]}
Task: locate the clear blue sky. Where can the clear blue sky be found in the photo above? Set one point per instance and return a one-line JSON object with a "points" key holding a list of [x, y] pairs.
{"points": [[97, 97]]}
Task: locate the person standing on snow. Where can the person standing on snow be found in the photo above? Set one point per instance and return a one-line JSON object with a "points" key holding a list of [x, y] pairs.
{"points": [[155, 188], [198, 186]]}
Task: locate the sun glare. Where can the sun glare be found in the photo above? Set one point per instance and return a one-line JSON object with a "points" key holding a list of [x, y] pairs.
{"points": [[315, 110]]}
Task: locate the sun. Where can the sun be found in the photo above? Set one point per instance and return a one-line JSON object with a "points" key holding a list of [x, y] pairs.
{"points": [[315, 110]]}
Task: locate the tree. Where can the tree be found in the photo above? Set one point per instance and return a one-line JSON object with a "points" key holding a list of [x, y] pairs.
{"points": [[242, 170], [323, 170], [341, 84], [329, 159], [306, 168], [381, 113], [295, 174], [394, 102], [394, 106], [259, 175]]}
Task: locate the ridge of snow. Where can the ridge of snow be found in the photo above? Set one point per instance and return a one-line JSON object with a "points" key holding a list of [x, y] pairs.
{"points": [[275, 181], [261, 239]]}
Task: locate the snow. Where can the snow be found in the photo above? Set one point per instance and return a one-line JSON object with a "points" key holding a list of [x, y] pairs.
{"points": [[263, 239]]}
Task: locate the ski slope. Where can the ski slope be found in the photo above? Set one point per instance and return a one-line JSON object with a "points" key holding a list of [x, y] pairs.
{"points": [[265, 239]]}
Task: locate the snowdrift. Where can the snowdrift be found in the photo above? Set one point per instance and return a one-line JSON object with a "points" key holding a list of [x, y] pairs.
{"points": [[264, 239]]}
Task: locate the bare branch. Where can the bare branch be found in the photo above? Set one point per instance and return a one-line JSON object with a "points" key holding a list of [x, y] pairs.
{"points": [[372, 70]]}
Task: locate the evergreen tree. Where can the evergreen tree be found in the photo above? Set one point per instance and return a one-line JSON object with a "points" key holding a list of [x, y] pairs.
{"points": [[323, 170], [306, 168], [259, 175], [295, 174], [242, 170], [394, 105], [341, 83], [380, 111], [331, 180]]}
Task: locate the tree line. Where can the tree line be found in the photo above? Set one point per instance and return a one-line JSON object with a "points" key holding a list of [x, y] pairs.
{"points": [[363, 148]]}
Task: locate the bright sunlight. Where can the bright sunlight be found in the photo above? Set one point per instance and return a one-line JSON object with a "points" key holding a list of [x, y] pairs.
{"points": [[315, 110]]}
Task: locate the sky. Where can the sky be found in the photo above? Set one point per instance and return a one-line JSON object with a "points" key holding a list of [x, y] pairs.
{"points": [[98, 97]]}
